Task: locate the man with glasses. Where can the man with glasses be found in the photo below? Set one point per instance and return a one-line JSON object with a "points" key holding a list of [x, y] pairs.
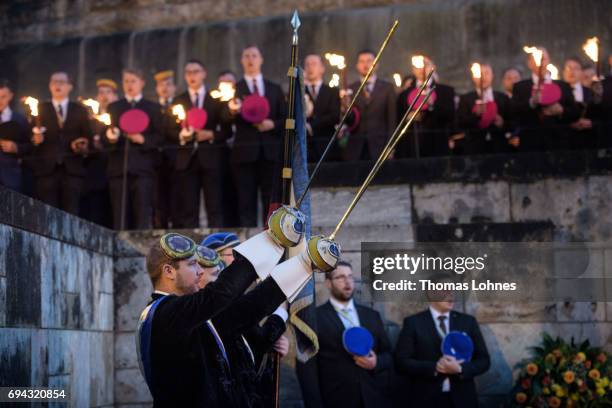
{"points": [[335, 378]]}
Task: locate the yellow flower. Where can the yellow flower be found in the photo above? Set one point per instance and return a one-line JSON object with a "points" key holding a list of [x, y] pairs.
{"points": [[560, 392], [594, 374], [545, 391], [580, 357], [521, 397], [550, 359], [605, 381], [532, 369], [574, 396], [569, 377], [600, 391]]}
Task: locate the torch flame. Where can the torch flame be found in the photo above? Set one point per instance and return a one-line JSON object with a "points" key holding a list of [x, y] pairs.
{"points": [[591, 48], [335, 81], [476, 70], [32, 104], [93, 104], [398, 79], [535, 53], [104, 118], [179, 112], [335, 60], [554, 71], [225, 92], [418, 61]]}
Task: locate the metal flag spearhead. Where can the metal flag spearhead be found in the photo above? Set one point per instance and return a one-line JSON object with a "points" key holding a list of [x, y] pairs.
{"points": [[295, 23]]}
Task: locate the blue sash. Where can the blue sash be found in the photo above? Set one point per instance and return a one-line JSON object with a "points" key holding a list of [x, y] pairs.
{"points": [[143, 340]]}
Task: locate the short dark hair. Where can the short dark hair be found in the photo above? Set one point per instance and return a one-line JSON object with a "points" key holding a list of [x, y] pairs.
{"points": [[366, 51], [328, 275], [133, 71], [226, 72], [155, 260], [195, 61], [252, 46], [574, 58], [517, 69], [68, 77], [4, 83]]}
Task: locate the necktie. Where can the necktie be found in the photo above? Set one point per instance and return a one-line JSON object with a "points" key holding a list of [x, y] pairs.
{"points": [[133, 103], [348, 321], [313, 92], [1, 116], [442, 325], [60, 115], [255, 88]]}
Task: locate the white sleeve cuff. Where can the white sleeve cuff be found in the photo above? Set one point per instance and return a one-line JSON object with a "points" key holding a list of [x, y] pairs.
{"points": [[292, 275], [262, 252], [282, 313]]}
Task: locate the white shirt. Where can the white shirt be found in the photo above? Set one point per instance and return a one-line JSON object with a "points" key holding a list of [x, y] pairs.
{"points": [[164, 101], [371, 83], [578, 91], [488, 95], [317, 86], [7, 115], [64, 105], [346, 312], [136, 99], [260, 83], [201, 92], [434, 315]]}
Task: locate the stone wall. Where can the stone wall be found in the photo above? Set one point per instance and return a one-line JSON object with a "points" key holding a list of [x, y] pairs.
{"points": [[93, 39], [56, 301]]}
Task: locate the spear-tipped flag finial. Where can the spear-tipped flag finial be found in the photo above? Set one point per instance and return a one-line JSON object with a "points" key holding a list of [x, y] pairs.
{"points": [[295, 21]]}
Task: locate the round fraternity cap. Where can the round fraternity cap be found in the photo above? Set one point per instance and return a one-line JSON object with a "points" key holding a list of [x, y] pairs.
{"points": [[177, 246], [358, 341], [163, 75], [106, 82], [221, 240]]}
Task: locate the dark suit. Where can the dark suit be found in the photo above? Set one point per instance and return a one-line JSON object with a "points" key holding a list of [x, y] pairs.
{"points": [[536, 131], [331, 378], [140, 166], [255, 155], [162, 208], [17, 130], [58, 171], [199, 166], [325, 117], [418, 350], [587, 138], [378, 120], [491, 139], [603, 113], [428, 137]]}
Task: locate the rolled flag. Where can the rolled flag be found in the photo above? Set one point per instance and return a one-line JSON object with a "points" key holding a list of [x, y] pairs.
{"points": [[357, 341], [133, 121], [197, 118], [550, 94], [488, 116], [459, 345], [413, 94], [255, 108]]}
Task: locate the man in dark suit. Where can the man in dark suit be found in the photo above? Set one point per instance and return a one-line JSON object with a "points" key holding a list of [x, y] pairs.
{"points": [[430, 132], [60, 145], [492, 138], [335, 378], [14, 140], [325, 112], [541, 127], [198, 154], [137, 151], [436, 380], [257, 146], [376, 105], [580, 134]]}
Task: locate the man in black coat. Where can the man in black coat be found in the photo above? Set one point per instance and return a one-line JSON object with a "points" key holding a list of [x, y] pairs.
{"points": [[14, 140], [436, 380], [377, 109], [60, 143], [430, 132], [492, 138], [335, 378], [140, 149], [256, 152], [541, 127], [580, 134], [197, 155], [325, 113]]}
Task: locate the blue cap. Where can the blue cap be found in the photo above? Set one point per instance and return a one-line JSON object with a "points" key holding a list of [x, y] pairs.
{"points": [[221, 240], [358, 341], [459, 345]]}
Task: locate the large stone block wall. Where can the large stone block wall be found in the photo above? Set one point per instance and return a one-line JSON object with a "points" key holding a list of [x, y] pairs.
{"points": [[56, 301]]}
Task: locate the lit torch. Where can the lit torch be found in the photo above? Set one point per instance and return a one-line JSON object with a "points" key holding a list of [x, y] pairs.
{"points": [[104, 118], [476, 69], [418, 61], [33, 105], [537, 55], [179, 112], [554, 71], [92, 104], [337, 61], [591, 49], [225, 93], [398, 79], [335, 81]]}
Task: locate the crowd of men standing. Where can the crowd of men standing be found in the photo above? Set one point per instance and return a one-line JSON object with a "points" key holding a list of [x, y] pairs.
{"points": [[68, 158]]}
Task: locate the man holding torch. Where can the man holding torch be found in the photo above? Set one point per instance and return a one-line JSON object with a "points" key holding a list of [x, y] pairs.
{"points": [[61, 139], [14, 140]]}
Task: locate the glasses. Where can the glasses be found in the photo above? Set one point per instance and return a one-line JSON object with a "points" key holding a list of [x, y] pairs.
{"points": [[344, 278], [177, 246]]}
